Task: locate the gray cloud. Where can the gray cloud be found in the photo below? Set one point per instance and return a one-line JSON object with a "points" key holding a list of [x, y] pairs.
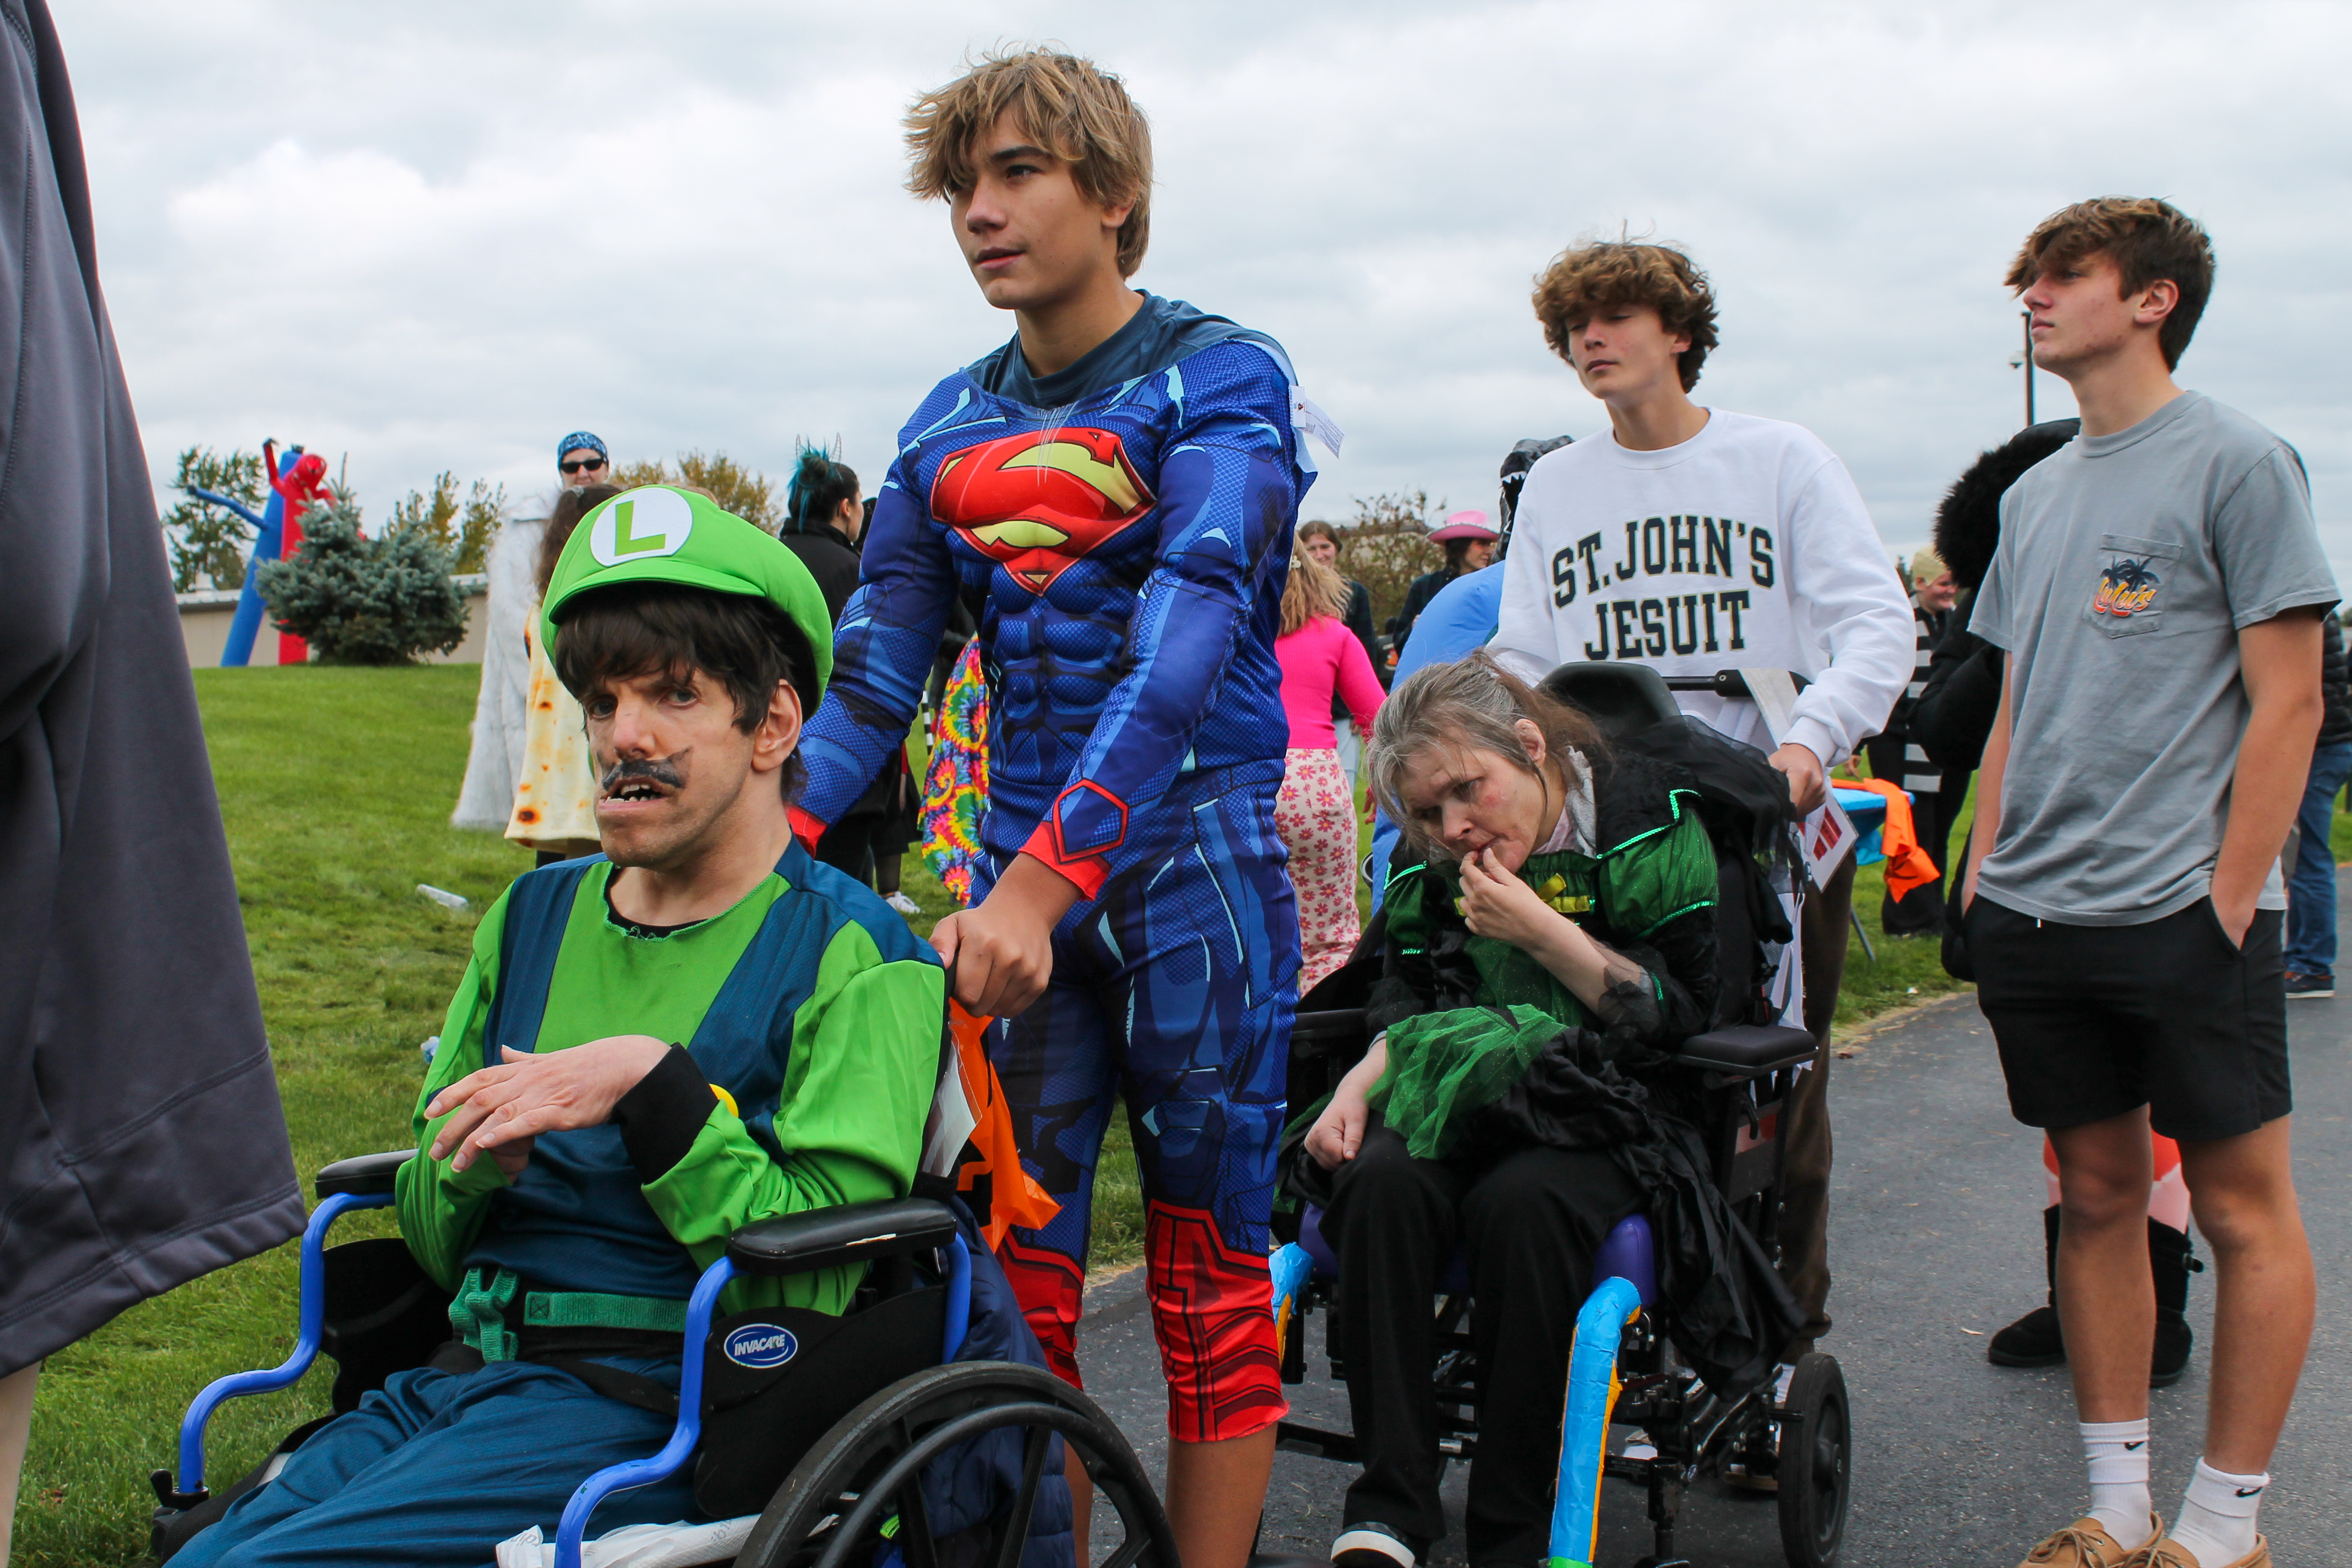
{"points": [[442, 236]]}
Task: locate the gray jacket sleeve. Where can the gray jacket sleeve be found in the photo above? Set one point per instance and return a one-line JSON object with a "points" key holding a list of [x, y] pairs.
{"points": [[140, 1136]]}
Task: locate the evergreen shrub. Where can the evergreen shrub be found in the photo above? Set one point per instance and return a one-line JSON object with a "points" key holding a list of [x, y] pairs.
{"points": [[359, 600]]}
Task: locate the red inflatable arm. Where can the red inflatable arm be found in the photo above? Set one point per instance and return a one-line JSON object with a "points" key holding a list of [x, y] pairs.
{"points": [[299, 483]]}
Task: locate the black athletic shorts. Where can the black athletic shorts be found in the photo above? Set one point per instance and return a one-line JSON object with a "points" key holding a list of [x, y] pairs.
{"points": [[2094, 1021]]}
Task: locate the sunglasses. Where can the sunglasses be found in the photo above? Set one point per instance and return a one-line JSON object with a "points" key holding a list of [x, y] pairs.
{"points": [[578, 464]]}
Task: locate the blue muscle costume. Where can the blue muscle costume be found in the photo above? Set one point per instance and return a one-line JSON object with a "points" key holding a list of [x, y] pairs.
{"points": [[1122, 530]]}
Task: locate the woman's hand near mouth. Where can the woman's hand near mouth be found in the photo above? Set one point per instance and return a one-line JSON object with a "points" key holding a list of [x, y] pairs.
{"points": [[1497, 904]]}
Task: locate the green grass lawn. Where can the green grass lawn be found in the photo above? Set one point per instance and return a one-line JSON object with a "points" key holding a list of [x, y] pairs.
{"points": [[1906, 968], [337, 786]]}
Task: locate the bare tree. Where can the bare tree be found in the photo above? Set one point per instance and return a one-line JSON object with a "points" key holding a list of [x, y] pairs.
{"points": [[479, 524], [431, 518], [208, 541], [746, 493], [1386, 545]]}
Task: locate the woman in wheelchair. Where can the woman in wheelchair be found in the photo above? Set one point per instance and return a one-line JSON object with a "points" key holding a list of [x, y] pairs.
{"points": [[1563, 912]]}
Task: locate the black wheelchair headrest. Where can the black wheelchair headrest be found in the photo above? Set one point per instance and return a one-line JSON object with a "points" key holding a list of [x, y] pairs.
{"points": [[1622, 699]]}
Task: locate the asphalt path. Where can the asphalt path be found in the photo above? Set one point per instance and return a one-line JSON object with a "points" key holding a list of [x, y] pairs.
{"points": [[1936, 1242]]}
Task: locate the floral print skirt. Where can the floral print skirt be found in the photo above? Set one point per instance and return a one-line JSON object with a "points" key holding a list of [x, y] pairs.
{"points": [[1315, 815]]}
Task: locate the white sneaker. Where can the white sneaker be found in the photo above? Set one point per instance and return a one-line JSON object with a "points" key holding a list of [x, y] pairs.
{"points": [[1372, 1544], [903, 904]]}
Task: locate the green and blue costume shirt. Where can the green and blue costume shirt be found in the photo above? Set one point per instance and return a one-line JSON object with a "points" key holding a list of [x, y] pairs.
{"points": [[811, 1021]]}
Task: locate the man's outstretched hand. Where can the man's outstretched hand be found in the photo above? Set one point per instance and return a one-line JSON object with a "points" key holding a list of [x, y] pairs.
{"points": [[499, 1109], [1808, 785], [1002, 948]]}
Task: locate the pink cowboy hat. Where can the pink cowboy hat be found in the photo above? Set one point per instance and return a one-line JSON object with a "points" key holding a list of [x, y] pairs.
{"points": [[1470, 523]]}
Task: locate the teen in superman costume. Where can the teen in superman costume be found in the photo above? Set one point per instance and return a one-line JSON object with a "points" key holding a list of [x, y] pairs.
{"points": [[1113, 492]]}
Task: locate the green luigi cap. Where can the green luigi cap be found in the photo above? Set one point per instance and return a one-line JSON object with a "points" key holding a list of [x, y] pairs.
{"points": [[659, 533]]}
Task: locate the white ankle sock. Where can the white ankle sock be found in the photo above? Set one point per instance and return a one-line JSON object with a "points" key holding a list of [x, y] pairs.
{"points": [[2117, 1455], [2217, 1519]]}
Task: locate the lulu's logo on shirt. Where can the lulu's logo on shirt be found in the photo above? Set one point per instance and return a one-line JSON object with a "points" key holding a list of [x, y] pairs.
{"points": [[1685, 547], [2126, 587]]}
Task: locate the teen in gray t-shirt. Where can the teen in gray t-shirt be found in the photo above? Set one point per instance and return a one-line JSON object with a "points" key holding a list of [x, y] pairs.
{"points": [[2127, 565]]}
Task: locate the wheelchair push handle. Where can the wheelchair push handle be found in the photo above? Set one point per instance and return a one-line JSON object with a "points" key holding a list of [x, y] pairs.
{"points": [[1726, 682], [311, 1324], [1624, 698]]}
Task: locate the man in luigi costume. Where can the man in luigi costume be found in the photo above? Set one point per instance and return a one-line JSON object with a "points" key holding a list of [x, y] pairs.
{"points": [[699, 1028]]}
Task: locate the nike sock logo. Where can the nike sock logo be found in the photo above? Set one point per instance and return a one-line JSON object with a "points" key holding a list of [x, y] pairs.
{"points": [[2251, 1491], [2141, 1444]]}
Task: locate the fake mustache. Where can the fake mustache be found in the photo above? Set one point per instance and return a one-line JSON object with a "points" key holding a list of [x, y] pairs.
{"points": [[653, 770]]}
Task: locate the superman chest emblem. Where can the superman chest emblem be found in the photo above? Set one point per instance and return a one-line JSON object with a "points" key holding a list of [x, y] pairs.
{"points": [[1039, 502]]}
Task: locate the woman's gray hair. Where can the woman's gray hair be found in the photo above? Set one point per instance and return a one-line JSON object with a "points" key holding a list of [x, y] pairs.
{"points": [[1474, 703]]}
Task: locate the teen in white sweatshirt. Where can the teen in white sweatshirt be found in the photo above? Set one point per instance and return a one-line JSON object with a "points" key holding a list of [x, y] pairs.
{"points": [[1744, 545], [1693, 541]]}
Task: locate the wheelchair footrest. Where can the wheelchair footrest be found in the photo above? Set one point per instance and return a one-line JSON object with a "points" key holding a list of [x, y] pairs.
{"points": [[1618, 1468], [1299, 1438], [169, 1497]]}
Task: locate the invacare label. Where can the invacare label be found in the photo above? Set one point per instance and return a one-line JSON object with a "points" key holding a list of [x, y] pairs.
{"points": [[760, 1345]]}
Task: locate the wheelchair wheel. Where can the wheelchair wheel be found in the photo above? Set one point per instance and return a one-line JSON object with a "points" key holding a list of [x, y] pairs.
{"points": [[859, 1488], [1816, 1448]]}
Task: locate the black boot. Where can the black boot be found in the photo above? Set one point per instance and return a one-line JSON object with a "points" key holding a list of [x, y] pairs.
{"points": [[2169, 1256], [2034, 1339]]}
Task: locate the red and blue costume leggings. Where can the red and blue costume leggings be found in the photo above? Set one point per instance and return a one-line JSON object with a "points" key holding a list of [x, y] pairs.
{"points": [[1173, 990]]}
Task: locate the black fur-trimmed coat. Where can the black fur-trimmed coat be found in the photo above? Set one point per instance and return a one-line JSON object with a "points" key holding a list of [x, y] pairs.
{"points": [[1954, 713]]}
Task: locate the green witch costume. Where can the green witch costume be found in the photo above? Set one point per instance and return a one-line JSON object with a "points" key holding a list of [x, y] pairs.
{"points": [[1467, 1014]]}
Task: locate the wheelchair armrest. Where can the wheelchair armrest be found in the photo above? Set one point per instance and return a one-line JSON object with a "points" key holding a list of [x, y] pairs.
{"points": [[362, 1175], [1746, 1050], [852, 1233]]}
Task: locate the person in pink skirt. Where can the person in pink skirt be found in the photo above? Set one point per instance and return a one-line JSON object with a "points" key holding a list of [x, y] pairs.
{"points": [[1316, 812]]}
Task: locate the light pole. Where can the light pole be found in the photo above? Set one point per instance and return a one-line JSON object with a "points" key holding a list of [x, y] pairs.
{"points": [[2024, 361]]}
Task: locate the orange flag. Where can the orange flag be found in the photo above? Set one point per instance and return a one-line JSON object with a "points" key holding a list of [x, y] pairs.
{"points": [[1908, 865], [971, 1140]]}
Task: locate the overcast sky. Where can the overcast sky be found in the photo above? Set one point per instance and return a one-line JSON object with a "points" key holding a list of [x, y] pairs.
{"points": [[438, 236]]}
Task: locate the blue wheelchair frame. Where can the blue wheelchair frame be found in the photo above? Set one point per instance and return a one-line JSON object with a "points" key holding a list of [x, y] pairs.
{"points": [[571, 1533], [1622, 699], [1626, 1280]]}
